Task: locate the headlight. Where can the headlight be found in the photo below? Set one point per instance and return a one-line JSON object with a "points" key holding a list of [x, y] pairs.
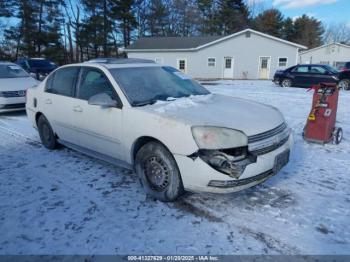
{"points": [[208, 137]]}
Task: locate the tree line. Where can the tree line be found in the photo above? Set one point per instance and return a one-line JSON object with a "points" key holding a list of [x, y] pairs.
{"points": [[75, 30]]}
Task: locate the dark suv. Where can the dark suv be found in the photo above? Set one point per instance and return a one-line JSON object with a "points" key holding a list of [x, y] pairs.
{"points": [[306, 75], [41, 67], [345, 67], [344, 80]]}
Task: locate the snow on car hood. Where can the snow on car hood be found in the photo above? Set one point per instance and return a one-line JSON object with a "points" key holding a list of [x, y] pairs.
{"points": [[17, 83], [223, 111]]}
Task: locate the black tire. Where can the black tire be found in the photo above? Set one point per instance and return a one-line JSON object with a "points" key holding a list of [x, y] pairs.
{"points": [[344, 84], [338, 135], [286, 82], [47, 136], [158, 172]]}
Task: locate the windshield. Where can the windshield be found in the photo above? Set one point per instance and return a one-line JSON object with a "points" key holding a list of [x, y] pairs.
{"points": [[332, 69], [39, 63], [12, 71], [146, 85]]}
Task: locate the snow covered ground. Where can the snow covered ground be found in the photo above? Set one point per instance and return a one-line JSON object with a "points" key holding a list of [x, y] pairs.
{"points": [[62, 202]]}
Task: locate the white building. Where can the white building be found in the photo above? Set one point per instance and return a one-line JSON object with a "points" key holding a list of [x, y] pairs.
{"points": [[247, 54], [334, 54]]}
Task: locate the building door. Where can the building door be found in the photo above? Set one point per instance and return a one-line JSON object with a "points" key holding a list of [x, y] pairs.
{"points": [[264, 67], [228, 67]]}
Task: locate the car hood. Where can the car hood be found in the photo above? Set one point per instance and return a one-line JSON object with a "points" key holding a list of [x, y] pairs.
{"points": [[16, 84], [222, 111]]}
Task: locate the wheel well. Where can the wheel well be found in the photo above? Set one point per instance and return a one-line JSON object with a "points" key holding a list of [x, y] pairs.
{"points": [[140, 142], [38, 114]]}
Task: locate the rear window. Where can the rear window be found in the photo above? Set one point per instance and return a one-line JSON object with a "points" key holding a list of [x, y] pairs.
{"points": [[12, 71], [63, 81]]}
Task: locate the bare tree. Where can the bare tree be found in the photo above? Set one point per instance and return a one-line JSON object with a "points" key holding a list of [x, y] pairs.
{"points": [[337, 32]]}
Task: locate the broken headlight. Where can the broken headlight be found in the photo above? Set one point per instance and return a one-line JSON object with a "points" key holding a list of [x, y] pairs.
{"points": [[209, 137], [231, 162]]}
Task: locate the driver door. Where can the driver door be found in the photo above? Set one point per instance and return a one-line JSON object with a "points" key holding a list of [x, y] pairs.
{"points": [[100, 127]]}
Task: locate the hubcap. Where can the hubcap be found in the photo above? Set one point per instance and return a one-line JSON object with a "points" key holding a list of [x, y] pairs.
{"points": [[157, 173], [286, 83], [344, 85]]}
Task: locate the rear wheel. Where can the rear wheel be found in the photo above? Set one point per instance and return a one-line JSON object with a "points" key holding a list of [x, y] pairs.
{"points": [[344, 84], [158, 172], [47, 136], [286, 82]]}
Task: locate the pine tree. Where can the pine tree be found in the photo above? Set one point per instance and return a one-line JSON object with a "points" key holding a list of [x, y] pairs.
{"points": [[308, 31], [288, 29], [158, 18], [207, 23], [231, 16], [124, 13], [271, 22], [184, 17]]}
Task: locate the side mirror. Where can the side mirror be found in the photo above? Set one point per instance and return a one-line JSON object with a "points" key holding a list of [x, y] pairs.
{"points": [[103, 100]]}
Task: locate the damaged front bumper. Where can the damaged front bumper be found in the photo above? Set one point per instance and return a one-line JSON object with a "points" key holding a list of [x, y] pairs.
{"points": [[199, 176]]}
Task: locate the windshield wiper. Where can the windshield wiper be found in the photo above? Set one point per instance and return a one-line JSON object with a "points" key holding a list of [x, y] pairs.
{"points": [[151, 101]]}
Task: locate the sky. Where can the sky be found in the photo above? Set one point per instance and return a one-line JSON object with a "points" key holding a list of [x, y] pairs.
{"points": [[328, 11]]}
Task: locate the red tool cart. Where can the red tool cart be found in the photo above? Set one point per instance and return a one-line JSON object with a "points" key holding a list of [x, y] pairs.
{"points": [[320, 126]]}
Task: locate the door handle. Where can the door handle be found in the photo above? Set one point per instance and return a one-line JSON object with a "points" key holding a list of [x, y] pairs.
{"points": [[48, 101], [77, 109]]}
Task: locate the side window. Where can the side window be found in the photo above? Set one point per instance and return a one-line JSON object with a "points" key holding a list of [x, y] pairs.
{"points": [[282, 61], [318, 70], [63, 81], [301, 69], [94, 82]]}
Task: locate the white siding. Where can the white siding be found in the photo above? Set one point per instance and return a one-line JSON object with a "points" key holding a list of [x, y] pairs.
{"points": [[330, 53], [245, 52]]}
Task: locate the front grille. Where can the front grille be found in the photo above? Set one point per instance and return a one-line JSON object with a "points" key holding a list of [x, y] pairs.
{"points": [[20, 93], [14, 106], [267, 134], [271, 148], [268, 141]]}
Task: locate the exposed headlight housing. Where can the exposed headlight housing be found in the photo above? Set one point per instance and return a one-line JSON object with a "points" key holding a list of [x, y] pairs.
{"points": [[224, 149], [209, 137]]}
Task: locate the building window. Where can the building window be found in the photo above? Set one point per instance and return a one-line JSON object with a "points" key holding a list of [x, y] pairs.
{"points": [[282, 62], [324, 62], [181, 65], [158, 60], [211, 62]]}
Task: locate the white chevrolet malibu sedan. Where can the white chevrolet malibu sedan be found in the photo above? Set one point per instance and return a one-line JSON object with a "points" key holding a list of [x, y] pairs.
{"points": [[173, 132], [14, 82]]}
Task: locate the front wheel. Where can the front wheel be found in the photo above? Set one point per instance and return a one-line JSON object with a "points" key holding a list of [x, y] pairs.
{"points": [[337, 135], [286, 83], [344, 84], [158, 172], [47, 136]]}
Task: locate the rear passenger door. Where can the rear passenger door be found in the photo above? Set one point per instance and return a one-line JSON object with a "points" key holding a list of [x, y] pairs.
{"points": [[101, 127], [321, 75], [58, 103]]}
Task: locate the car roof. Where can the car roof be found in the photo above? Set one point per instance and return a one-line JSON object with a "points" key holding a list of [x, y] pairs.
{"points": [[120, 62], [107, 60], [312, 65]]}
